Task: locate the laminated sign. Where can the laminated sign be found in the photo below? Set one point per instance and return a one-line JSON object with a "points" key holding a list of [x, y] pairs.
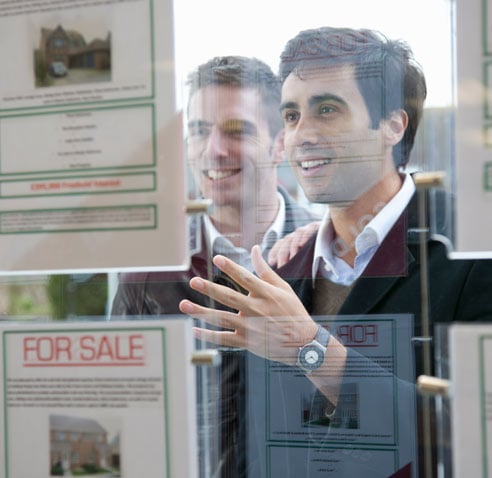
{"points": [[117, 399], [91, 159]]}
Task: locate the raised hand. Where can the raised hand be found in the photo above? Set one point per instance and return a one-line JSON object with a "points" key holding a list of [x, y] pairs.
{"points": [[271, 320], [287, 247]]}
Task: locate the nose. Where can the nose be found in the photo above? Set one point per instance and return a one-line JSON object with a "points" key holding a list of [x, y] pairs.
{"points": [[216, 145], [305, 132]]}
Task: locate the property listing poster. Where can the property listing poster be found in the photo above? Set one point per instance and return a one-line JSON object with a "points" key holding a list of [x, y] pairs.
{"points": [[473, 128], [470, 349], [91, 162], [98, 399], [372, 430]]}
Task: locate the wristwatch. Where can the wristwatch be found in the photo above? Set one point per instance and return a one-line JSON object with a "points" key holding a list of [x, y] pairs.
{"points": [[311, 356]]}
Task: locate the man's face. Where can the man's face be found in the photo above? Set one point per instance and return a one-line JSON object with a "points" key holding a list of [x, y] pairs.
{"points": [[329, 142], [229, 145]]}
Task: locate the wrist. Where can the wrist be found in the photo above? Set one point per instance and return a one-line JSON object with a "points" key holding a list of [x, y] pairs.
{"points": [[312, 355]]}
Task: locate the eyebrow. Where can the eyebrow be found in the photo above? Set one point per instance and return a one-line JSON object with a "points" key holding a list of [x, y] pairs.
{"points": [[316, 99], [227, 125], [288, 105], [313, 101]]}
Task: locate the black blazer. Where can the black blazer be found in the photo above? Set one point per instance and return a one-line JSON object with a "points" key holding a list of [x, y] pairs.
{"points": [[458, 290]]}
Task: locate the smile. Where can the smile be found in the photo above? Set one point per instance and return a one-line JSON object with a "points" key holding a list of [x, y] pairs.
{"points": [[216, 174], [313, 163]]}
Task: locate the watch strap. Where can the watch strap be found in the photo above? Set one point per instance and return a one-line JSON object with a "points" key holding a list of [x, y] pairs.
{"points": [[322, 336]]}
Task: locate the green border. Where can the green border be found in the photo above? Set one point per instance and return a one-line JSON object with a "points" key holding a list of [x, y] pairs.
{"points": [[487, 173], [152, 73], [132, 206], [86, 193], [165, 377], [487, 97], [485, 33], [153, 162], [268, 432], [483, 403]]}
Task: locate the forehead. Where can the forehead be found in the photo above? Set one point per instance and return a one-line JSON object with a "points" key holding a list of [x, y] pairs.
{"points": [[340, 81], [217, 102]]}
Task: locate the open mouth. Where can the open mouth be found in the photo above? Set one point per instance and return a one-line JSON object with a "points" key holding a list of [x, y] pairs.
{"points": [[216, 174], [308, 164]]}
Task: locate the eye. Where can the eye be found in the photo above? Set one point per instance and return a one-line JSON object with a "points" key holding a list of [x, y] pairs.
{"points": [[327, 109], [237, 129], [290, 116], [198, 130]]}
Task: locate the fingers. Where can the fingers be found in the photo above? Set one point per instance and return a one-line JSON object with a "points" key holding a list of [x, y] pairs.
{"points": [[283, 255], [218, 318], [297, 242], [287, 247], [228, 339], [273, 254], [301, 236], [246, 279], [224, 295], [263, 269]]}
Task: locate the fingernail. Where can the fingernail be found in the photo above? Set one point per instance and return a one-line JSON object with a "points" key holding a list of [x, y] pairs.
{"points": [[219, 261], [186, 307], [198, 283]]}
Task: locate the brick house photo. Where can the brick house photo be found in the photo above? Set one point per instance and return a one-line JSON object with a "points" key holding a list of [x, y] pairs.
{"points": [[62, 51], [80, 443]]}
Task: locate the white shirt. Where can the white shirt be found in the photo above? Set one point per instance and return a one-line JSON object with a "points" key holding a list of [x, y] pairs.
{"points": [[222, 245], [328, 253]]}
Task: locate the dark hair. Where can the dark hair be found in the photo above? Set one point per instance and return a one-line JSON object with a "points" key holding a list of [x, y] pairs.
{"points": [[388, 77], [242, 72]]}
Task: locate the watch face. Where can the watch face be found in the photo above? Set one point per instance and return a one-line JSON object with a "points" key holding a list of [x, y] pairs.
{"points": [[310, 357]]}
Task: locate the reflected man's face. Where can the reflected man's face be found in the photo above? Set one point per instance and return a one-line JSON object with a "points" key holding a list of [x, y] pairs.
{"points": [[329, 142], [229, 144]]}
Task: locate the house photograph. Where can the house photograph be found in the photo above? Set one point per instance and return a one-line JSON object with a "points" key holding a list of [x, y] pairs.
{"points": [[66, 56], [82, 444]]}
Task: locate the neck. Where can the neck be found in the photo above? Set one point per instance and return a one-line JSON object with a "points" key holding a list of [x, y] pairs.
{"points": [[246, 225], [349, 221]]}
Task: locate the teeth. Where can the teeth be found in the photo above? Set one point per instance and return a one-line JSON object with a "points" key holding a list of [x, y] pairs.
{"points": [[313, 163], [216, 174]]}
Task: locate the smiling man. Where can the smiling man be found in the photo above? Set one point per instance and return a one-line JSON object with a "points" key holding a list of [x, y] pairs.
{"points": [[232, 147], [351, 103], [233, 152]]}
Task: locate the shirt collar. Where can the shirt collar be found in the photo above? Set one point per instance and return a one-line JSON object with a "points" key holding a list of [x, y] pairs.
{"points": [[274, 232], [369, 239]]}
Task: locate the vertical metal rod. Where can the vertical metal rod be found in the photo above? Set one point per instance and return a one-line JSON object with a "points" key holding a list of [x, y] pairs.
{"points": [[426, 345], [208, 437]]}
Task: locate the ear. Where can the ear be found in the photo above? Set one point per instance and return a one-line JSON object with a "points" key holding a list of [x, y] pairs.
{"points": [[395, 126], [278, 149]]}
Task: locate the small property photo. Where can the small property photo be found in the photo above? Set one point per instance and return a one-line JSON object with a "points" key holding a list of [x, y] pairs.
{"points": [[84, 446], [69, 56], [348, 413]]}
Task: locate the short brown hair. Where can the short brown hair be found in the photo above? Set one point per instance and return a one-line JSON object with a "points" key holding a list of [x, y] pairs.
{"points": [[387, 75], [242, 72]]}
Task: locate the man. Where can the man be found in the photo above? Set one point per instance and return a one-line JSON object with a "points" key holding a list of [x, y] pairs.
{"points": [[232, 149], [233, 153], [351, 103]]}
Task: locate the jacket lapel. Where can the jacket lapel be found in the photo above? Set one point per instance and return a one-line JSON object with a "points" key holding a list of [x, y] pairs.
{"points": [[393, 261]]}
